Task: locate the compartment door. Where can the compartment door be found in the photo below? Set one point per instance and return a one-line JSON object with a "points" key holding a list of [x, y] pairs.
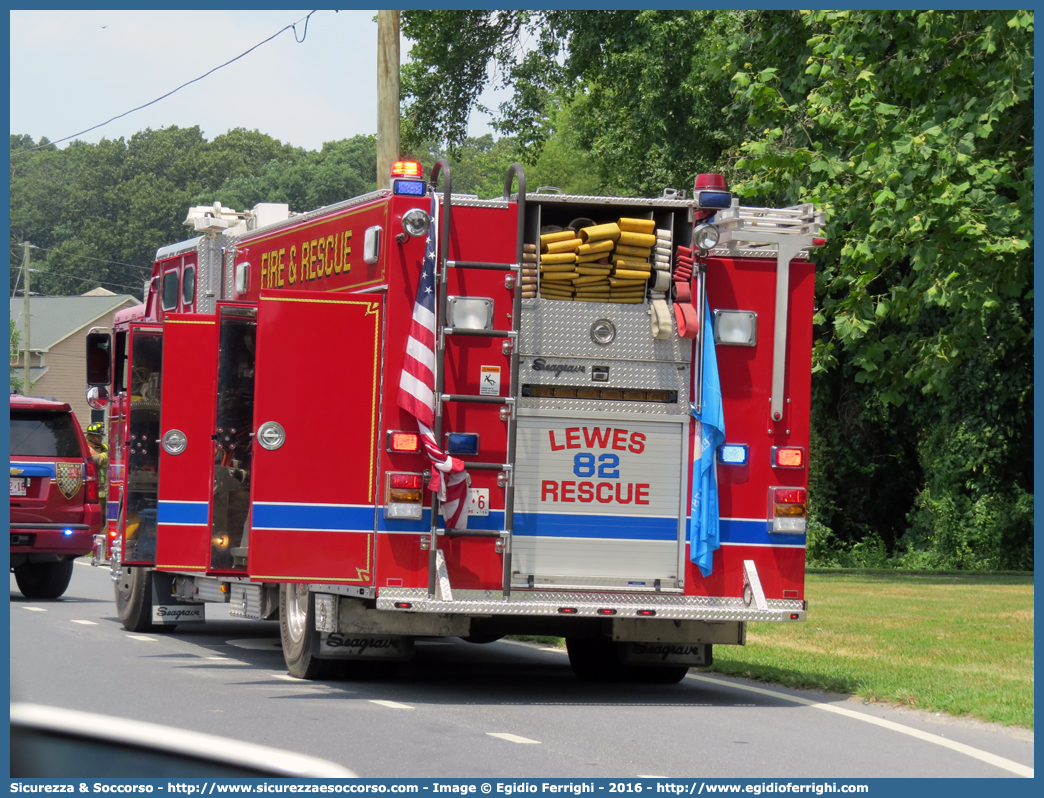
{"points": [[313, 489], [599, 502], [186, 452]]}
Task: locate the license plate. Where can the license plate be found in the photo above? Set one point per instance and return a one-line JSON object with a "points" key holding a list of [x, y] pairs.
{"points": [[479, 504], [18, 486]]}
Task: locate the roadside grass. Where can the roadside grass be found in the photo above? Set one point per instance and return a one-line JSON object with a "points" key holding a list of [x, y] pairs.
{"points": [[956, 644], [960, 645]]}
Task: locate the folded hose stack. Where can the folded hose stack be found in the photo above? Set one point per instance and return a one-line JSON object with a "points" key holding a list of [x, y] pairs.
{"points": [[684, 312], [660, 285], [598, 263], [528, 278]]}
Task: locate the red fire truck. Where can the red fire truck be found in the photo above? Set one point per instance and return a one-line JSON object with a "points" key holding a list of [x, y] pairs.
{"points": [[418, 414]]}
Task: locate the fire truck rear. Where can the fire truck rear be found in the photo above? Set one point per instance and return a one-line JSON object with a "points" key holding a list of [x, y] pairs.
{"points": [[417, 414]]}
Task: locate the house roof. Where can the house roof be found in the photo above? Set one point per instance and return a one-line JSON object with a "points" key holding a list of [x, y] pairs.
{"points": [[55, 318]]}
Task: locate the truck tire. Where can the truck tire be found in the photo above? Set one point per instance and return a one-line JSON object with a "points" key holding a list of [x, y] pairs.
{"points": [[134, 601], [594, 659], [44, 580], [297, 631], [666, 674]]}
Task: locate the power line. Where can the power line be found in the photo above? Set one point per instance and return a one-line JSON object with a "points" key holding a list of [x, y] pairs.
{"points": [[183, 85], [90, 280], [100, 260]]}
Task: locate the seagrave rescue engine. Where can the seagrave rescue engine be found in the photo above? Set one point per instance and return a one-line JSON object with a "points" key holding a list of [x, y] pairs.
{"points": [[415, 414]]}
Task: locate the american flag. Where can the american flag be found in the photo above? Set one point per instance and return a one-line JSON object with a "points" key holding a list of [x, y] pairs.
{"points": [[417, 393]]}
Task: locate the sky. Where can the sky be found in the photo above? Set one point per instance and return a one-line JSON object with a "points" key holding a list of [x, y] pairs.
{"points": [[72, 70]]}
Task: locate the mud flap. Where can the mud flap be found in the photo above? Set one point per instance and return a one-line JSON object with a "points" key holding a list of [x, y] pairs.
{"points": [[361, 646], [690, 654], [168, 610]]}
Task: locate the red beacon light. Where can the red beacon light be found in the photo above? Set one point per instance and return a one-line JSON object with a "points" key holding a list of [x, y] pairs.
{"points": [[407, 169]]}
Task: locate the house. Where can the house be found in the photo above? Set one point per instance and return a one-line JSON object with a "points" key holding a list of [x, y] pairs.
{"points": [[58, 327]]}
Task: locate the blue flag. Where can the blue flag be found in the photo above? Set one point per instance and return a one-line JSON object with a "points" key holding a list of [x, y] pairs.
{"points": [[704, 536]]}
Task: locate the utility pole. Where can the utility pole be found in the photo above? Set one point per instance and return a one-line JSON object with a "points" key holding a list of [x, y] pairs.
{"points": [[387, 95], [26, 385]]}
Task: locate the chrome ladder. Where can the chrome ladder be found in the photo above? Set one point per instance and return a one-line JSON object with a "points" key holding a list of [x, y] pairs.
{"points": [[438, 579]]}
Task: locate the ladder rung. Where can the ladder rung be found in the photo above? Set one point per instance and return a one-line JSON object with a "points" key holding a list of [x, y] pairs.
{"points": [[483, 400], [470, 533], [471, 264], [479, 333]]}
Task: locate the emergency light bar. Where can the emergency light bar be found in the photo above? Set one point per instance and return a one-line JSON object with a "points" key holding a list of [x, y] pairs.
{"points": [[409, 188], [407, 169], [713, 200], [733, 454]]}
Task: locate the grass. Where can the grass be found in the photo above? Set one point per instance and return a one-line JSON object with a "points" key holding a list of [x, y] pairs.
{"points": [[961, 645], [956, 644]]}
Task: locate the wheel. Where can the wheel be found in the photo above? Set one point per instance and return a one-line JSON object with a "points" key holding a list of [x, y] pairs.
{"points": [[297, 630], [594, 659], [666, 674], [44, 580], [134, 601]]}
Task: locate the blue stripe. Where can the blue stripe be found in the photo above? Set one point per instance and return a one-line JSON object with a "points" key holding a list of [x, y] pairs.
{"points": [[35, 470], [614, 527], [302, 516], [755, 531], [422, 525], [182, 512]]}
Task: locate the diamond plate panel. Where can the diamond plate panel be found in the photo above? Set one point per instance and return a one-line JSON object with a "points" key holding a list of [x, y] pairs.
{"points": [[563, 329], [481, 602], [229, 275]]}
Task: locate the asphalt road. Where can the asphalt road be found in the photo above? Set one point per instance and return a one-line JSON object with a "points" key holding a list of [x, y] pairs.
{"points": [[503, 710]]}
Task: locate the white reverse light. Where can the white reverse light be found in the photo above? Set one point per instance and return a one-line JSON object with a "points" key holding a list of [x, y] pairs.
{"points": [[735, 327], [470, 313]]}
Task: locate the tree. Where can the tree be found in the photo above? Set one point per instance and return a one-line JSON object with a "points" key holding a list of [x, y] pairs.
{"points": [[913, 130]]}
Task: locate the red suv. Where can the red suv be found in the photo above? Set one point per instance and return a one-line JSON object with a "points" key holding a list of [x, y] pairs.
{"points": [[54, 495]]}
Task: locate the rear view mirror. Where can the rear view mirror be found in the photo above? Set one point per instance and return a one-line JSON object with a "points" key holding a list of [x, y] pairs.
{"points": [[99, 358]]}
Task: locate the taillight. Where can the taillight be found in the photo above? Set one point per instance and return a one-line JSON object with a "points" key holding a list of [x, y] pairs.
{"points": [[403, 495], [788, 457], [402, 441], [787, 510], [90, 481]]}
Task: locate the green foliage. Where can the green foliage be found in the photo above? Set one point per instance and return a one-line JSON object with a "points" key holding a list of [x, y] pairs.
{"points": [[913, 130], [16, 343], [305, 180], [98, 212]]}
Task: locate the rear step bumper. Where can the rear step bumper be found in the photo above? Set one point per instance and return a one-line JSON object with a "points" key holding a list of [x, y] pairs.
{"points": [[591, 605]]}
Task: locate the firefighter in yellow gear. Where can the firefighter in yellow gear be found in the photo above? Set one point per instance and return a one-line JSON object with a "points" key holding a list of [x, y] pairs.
{"points": [[100, 456]]}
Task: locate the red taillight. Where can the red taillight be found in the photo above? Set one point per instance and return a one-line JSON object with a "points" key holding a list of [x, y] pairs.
{"points": [[790, 495], [407, 481], [607, 612], [567, 610], [407, 169], [90, 482], [403, 442], [788, 456]]}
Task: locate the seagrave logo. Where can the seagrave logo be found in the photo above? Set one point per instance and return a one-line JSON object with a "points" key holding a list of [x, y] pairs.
{"points": [[542, 365], [662, 651], [176, 614]]}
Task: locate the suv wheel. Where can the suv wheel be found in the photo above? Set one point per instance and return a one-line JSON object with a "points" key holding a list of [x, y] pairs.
{"points": [[44, 580]]}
